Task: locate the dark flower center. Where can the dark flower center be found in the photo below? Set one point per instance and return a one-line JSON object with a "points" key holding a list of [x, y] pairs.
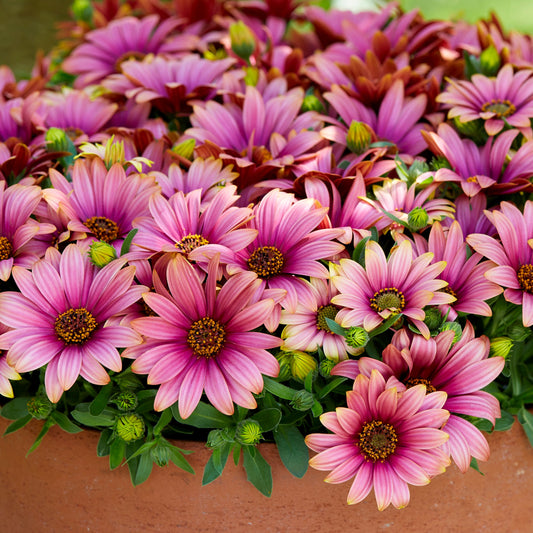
{"points": [[411, 382], [449, 290], [525, 278], [190, 242], [105, 230], [6, 248], [377, 441], [266, 262], [501, 108], [325, 311], [389, 298], [206, 337], [75, 326], [73, 133], [131, 54]]}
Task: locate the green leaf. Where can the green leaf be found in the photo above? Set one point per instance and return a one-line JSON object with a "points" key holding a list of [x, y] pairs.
{"points": [[145, 447], [100, 401], [526, 419], [164, 419], [81, 414], [215, 466], [332, 385], [278, 389], [17, 424], [336, 327], [292, 449], [143, 470], [16, 408], [62, 420], [385, 325], [358, 254], [176, 456], [116, 453], [475, 466], [317, 409], [204, 416], [505, 422], [127, 242], [47, 425], [258, 471], [102, 448], [268, 418]]}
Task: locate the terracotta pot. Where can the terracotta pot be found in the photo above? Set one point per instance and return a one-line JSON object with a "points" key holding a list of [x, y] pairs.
{"points": [[64, 486]]}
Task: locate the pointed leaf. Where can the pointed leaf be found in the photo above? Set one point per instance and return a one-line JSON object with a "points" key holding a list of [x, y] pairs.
{"points": [[18, 424], [258, 471], [204, 416], [292, 449], [63, 421], [100, 401]]}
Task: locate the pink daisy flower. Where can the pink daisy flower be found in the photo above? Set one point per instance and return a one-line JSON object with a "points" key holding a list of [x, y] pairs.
{"points": [[106, 48], [493, 167], [181, 224], [470, 213], [384, 287], [463, 272], [17, 229], [384, 438], [306, 329], [203, 340], [508, 96], [460, 370], [7, 372], [513, 254], [59, 319], [287, 245], [101, 204]]}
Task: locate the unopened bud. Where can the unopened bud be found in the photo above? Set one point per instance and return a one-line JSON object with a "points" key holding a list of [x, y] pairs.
{"points": [[433, 318], [129, 427], [359, 137], [56, 140], [101, 253], [248, 432], [185, 149], [39, 407], [357, 337], [417, 219], [325, 367], [500, 347], [490, 61], [82, 10], [455, 327], [114, 153], [303, 400], [242, 40], [312, 103], [126, 401]]}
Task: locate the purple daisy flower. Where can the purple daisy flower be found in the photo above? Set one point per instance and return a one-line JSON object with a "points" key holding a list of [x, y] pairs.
{"points": [[58, 318], [513, 254], [385, 288], [7, 372], [384, 438], [460, 370], [508, 97], [202, 339]]}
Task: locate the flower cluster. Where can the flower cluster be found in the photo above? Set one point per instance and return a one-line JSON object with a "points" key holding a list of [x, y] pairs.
{"points": [[250, 220]]}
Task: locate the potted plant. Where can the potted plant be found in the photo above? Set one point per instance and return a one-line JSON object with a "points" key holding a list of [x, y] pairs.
{"points": [[245, 222]]}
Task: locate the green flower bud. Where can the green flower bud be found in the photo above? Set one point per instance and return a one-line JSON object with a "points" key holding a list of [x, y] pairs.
{"points": [[455, 327], [39, 407], [101, 253], [129, 427], [303, 400], [500, 347], [439, 162], [252, 76], [126, 401], [417, 219], [312, 103], [433, 318], [359, 137], [56, 140], [249, 432], [490, 61], [185, 149], [160, 454], [242, 40], [82, 10], [357, 337], [284, 366], [325, 367], [219, 437]]}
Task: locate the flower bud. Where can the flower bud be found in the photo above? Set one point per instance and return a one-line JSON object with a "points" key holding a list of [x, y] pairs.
{"points": [[129, 427], [101, 253], [312, 103], [433, 318], [126, 401], [56, 140], [500, 347], [417, 219], [249, 432], [160, 455], [82, 10], [185, 149], [219, 437], [325, 367], [242, 40], [301, 364], [114, 153], [303, 400], [439, 162], [359, 137], [490, 61], [357, 337], [39, 407], [455, 327]]}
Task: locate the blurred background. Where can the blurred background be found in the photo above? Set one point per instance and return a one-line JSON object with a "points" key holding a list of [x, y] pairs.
{"points": [[29, 25]]}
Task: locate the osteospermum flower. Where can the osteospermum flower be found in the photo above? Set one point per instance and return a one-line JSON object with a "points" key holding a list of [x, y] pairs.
{"points": [[384, 438], [460, 370], [385, 288], [513, 254], [17, 229], [203, 340], [287, 244], [506, 98], [101, 204], [58, 319], [7, 372]]}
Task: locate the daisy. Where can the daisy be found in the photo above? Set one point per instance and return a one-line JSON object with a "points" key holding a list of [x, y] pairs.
{"points": [[58, 319], [384, 438], [202, 339], [513, 254], [7, 372], [460, 370], [504, 99], [384, 288]]}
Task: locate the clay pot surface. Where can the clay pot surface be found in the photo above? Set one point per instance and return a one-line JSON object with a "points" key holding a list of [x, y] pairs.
{"points": [[64, 486]]}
